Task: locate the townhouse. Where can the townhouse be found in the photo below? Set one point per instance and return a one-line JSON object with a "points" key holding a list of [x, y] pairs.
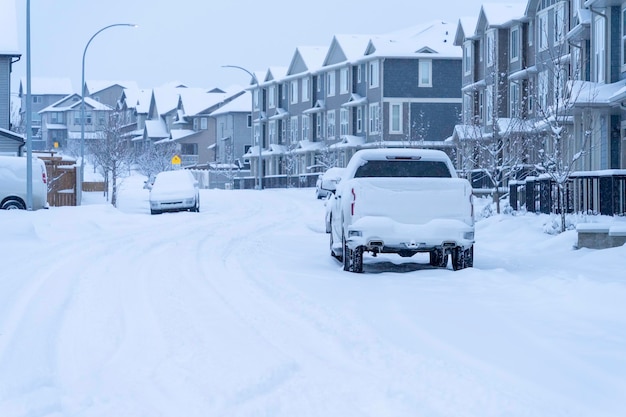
{"points": [[538, 70], [11, 143], [399, 89]]}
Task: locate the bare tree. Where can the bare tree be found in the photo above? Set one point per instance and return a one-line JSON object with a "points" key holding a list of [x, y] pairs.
{"points": [[112, 153], [155, 158]]}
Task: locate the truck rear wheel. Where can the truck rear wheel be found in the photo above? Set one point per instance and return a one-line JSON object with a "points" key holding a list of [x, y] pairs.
{"points": [[13, 204], [352, 259], [438, 258], [462, 258]]}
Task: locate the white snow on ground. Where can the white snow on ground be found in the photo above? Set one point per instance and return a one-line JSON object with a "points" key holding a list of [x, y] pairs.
{"points": [[239, 310]]}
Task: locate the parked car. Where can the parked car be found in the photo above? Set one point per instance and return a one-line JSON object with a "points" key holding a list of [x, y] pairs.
{"points": [[327, 182], [13, 177], [174, 191], [402, 201]]}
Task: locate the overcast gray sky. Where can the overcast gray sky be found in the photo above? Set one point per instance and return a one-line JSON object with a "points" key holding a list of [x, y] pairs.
{"points": [[189, 40]]}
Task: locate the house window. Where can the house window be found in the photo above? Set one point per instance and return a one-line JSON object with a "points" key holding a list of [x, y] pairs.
{"points": [[542, 91], [189, 148], [293, 124], [542, 30], [37, 99], [531, 33], [599, 51], [102, 121], [374, 117], [204, 123], [306, 120], [87, 117], [343, 81], [481, 108], [467, 58], [272, 96], [57, 117], [514, 100], [373, 74], [305, 89], [359, 119], [249, 120], [560, 26], [320, 82], [514, 44], [395, 125], [257, 134], [343, 122], [330, 88], [271, 131], [624, 36], [425, 73], [283, 131], [255, 95], [490, 48], [319, 126], [293, 92], [359, 74], [480, 51], [330, 123], [489, 104]]}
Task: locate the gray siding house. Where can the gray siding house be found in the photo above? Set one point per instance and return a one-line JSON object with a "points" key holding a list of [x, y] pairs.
{"points": [[10, 142]]}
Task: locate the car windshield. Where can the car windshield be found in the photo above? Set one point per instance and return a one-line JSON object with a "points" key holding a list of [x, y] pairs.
{"points": [[411, 168]]}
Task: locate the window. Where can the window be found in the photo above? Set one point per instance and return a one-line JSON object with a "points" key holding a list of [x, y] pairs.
{"points": [[271, 131], [249, 120], [102, 120], [359, 119], [330, 123], [542, 30], [359, 74], [467, 58], [77, 117], [257, 134], [343, 122], [319, 126], [320, 82], [373, 74], [37, 99], [489, 103], [599, 51], [531, 32], [480, 51], [294, 128], [560, 26], [255, 97], [272, 96], [374, 118], [425, 73], [306, 120], [624, 36], [189, 148], [395, 124], [490, 48], [204, 123], [514, 44], [542, 90], [57, 117], [305, 89], [403, 169], [293, 92], [514, 99], [344, 87], [330, 88]]}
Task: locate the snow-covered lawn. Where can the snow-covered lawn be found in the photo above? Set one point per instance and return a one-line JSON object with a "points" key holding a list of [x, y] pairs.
{"points": [[239, 310]]}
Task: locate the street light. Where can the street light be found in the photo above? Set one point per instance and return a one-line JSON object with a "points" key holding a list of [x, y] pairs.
{"points": [[256, 82], [29, 129], [82, 104]]}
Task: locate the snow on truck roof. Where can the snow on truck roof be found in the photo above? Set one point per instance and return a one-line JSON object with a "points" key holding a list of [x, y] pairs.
{"points": [[384, 153]]}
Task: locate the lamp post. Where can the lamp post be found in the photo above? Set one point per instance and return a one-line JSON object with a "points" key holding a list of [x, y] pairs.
{"points": [[82, 103], [29, 129], [256, 83]]}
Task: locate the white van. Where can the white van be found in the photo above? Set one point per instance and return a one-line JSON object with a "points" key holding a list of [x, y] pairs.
{"points": [[13, 183]]}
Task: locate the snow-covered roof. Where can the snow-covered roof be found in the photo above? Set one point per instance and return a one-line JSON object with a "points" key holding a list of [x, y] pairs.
{"points": [[73, 101], [587, 93], [241, 104], [466, 28], [311, 57], [139, 99], [352, 46], [94, 86], [501, 14], [166, 99], [47, 86], [275, 73], [178, 134], [9, 44], [156, 129], [197, 100], [435, 39]]}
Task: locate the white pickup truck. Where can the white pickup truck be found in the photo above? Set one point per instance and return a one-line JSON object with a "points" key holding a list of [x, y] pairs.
{"points": [[402, 201]]}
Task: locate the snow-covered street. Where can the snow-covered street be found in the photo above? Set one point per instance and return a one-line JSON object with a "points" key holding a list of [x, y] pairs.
{"points": [[239, 310]]}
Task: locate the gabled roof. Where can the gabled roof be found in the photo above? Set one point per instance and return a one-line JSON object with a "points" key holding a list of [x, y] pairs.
{"points": [[275, 73], [47, 86], [8, 29], [197, 100], [466, 28], [12, 135], [434, 38], [165, 99], [95, 86], [156, 129], [241, 104], [496, 15], [306, 59], [346, 48], [138, 99], [73, 101]]}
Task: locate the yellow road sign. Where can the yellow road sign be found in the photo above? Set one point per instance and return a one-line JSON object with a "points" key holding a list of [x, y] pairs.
{"points": [[176, 160]]}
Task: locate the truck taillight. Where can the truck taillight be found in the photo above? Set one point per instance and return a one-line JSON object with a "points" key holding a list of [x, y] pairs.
{"points": [[353, 202], [44, 178], [472, 204]]}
